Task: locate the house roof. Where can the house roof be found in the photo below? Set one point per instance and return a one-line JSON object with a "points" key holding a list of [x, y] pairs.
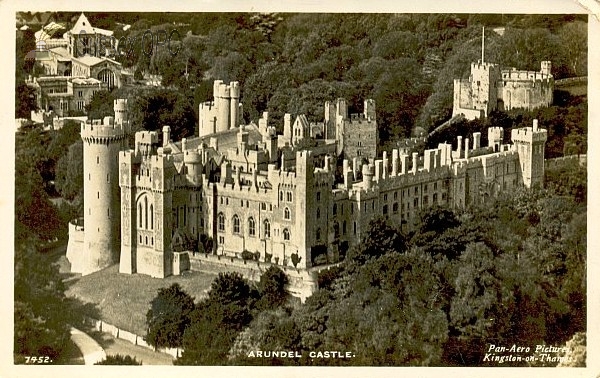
{"points": [[86, 81], [89, 60], [82, 25], [226, 139], [61, 52], [48, 31]]}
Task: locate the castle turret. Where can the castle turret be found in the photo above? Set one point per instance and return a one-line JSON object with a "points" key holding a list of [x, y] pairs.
{"points": [[193, 163], [395, 162], [476, 140], [234, 92], [369, 110], [287, 127], [101, 198], [546, 67], [166, 135], [368, 173], [484, 91], [329, 121], [529, 143], [120, 108], [222, 102], [495, 137], [306, 210], [415, 162]]}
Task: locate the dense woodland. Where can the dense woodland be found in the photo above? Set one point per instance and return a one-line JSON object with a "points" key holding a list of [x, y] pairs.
{"points": [[432, 297]]}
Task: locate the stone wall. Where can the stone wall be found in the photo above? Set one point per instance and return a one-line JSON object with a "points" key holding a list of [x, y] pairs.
{"points": [[116, 332], [75, 246], [565, 161], [302, 283]]}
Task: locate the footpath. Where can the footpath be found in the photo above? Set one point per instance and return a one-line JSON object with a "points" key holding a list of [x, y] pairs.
{"points": [[91, 350]]}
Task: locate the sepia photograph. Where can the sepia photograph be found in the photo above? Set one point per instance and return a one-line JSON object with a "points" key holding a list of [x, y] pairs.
{"points": [[255, 188]]}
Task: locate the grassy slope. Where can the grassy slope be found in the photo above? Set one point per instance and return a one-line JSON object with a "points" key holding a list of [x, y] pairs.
{"points": [[124, 299]]}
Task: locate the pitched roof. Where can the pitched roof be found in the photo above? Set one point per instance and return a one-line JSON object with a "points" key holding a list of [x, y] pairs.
{"points": [[226, 139], [61, 52], [48, 31], [82, 24], [89, 60]]}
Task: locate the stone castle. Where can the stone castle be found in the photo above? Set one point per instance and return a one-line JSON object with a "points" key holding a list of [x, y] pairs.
{"points": [[490, 88], [284, 200]]}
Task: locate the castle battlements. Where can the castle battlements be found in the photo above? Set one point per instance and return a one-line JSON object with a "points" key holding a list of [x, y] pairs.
{"points": [[529, 134], [531, 76], [359, 117], [485, 66], [101, 132], [224, 112]]}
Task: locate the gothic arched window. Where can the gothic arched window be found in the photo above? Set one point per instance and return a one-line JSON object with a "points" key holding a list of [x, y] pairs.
{"points": [[221, 222], [251, 227], [236, 224], [146, 213]]}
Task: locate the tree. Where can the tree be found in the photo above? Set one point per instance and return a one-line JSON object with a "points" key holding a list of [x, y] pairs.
{"points": [[230, 287], [480, 309], [396, 315], [101, 105], [397, 44], [69, 172], [272, 288], [159, 107], [41, 327], [573, 41], [271, 330], [169, 316], [24, 101], [217, 320], [119, 359], [206, 341], [33, 209], [380, 238]]}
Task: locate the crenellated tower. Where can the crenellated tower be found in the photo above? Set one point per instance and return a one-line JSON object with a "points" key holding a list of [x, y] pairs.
{"points": [[222, 114], [102, 141], [529, 143]]}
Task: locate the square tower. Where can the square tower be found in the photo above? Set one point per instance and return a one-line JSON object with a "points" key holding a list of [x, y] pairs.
{"points": [[529, 143], [484, 79]]}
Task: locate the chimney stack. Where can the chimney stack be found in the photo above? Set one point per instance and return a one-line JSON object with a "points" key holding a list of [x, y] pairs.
{"points": [[415, 159]]}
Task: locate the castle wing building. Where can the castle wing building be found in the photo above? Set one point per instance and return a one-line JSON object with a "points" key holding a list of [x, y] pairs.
{"points": [[252, 191]]}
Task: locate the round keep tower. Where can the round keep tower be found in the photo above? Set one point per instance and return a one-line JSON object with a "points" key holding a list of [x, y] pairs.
{"points": [[102, 142]]}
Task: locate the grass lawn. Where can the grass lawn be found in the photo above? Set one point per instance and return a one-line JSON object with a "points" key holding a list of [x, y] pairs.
{"points": [[124, 299]]}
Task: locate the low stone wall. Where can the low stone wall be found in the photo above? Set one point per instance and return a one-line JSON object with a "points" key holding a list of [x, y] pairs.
{"points": [[565, 160], [75, 247], [302, 283], [118, 333]]}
